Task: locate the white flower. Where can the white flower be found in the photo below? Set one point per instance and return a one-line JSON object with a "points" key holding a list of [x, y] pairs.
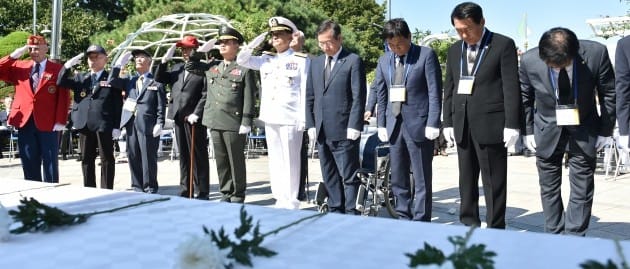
{"points": [[199, 253], [5, 223]]}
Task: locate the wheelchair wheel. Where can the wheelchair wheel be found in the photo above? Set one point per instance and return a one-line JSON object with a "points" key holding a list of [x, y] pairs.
{"points": [[390, 199], [323, 208]]}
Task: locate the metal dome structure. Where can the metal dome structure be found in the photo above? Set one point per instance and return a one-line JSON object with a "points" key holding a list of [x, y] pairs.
{"points": [[157, 36]]}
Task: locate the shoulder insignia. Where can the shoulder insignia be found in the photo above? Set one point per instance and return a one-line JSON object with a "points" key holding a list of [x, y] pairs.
{"points": [[300, 54], [269, 53]]}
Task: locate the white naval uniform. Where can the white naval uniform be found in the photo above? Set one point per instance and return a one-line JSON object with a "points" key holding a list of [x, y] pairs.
{"points": [[282, 104]]}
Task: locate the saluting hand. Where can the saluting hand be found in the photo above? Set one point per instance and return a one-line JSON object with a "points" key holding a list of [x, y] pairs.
{"points": [[123, 59], [17, 53], [74, 61], [208, 46], [257, 41], [169, 54]]}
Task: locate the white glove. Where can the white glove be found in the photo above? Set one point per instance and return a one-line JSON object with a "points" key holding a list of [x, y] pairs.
{"points": [[169, 54], [602, 141], [530, 143], [157, 130], [311, 133], [244, 129], [123, 132], [58, 127], [449, 135], [431, 133], [74, 61], [17, 53], [623, 143], [192, 119], [353, 134], [115, 133], [382, 134], [208, 46], [259, 39], [510, 136], [123, 59]]}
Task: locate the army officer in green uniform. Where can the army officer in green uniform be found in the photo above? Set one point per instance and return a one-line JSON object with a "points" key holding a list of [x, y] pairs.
{"points": [[228, 114]]}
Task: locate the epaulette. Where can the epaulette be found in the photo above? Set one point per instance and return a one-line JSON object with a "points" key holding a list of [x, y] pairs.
{"points": [[300, 54], [269, 53]]}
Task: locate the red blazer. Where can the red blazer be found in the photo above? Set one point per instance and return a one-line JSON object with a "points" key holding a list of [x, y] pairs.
{"points": [[48, 105]]}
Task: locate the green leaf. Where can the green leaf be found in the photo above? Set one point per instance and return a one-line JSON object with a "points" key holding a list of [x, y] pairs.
{"points": [[428, 255], [592, 264]]}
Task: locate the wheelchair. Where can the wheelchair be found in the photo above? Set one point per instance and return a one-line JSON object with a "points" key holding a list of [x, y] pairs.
{"points": [[374, 191]]}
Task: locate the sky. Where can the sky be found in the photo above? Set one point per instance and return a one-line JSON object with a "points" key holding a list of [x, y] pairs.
{"points": [[505, 16]]}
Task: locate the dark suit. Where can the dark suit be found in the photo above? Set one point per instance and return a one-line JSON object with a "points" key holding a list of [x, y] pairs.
{"points": [[230, 104], [95, 113], [409, 146], [332, 107], [189, 96], [622, 84], [593, 74], [478, 121], [142, 146]]}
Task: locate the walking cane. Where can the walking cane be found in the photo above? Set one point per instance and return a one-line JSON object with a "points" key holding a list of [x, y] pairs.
{"points": [[192, 161]]}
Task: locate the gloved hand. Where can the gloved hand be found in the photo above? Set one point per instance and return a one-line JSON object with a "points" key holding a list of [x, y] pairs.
{"points": [[382, 134], [17, 53], [74, 61], [602, 141], [311, 133], [196, 67], [157, 130], [353, 134], [115, 133], [58, 127], [244, 129], [192, 119], [123, 133], [123, 59], [623, 143], [207, 46], [530, 143], [169, 54], [449, 135], [510, 136], [257, 41], [431, 132]]}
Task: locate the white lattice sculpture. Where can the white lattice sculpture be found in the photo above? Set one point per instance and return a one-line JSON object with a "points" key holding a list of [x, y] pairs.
{"points": [[158, 35]]}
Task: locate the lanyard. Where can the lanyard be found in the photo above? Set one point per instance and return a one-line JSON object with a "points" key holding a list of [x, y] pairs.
{"points": [[554, 83], [482, 47], [389, 68]]}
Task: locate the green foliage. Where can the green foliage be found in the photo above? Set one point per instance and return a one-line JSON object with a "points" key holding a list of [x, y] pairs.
{"points": [[464, 256], [593, 264], [13, 41]]}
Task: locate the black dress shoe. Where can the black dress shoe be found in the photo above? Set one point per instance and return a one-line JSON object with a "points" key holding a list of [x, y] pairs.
{"points": [[151, 190], [302, 196], [236, 199], [64, 157], [136, 189], [202, 196]]}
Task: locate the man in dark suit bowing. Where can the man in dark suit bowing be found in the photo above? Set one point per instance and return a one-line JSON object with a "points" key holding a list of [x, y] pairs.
{"points": [[95, 112], [188, 90], [335, 102], [481, 112], [409, 93], [143, 118], [560, 82]]}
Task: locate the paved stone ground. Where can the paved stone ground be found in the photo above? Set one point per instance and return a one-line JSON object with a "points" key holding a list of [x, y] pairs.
{"points": [[611, 212]]}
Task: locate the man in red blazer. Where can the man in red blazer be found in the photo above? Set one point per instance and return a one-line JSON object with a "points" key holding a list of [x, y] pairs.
{"points": [[39, 109]]}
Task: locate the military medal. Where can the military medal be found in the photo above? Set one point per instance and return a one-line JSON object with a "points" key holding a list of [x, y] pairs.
{"points": [[52, 89], [82, 94]]}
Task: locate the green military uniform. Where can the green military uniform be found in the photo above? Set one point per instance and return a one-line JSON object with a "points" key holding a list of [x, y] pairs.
{"points": [[230, 107]]}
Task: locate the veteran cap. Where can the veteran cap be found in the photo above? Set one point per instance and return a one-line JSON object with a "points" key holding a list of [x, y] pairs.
{"points": [[35, 40], [138, 52], [227, 33], [188, 42], [281, 24], [95, 48]]}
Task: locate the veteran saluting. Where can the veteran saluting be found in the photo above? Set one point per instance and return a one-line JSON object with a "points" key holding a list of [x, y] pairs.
{"points": [[228, 114]]}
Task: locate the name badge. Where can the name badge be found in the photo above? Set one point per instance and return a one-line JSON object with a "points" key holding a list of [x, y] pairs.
{"points": [[397, 93], [567, 115], [466, 85], [152, 88], [130, 105]]}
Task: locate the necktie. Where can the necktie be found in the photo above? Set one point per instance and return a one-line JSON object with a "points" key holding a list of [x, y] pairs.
{"points": [[328, 69], [93, 79], [472, 54], [399, 79], [564, 88], [35, 77], [139, 85]]}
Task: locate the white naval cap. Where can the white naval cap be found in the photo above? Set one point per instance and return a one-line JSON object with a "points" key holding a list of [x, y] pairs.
{"points": [[281, 24]]}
